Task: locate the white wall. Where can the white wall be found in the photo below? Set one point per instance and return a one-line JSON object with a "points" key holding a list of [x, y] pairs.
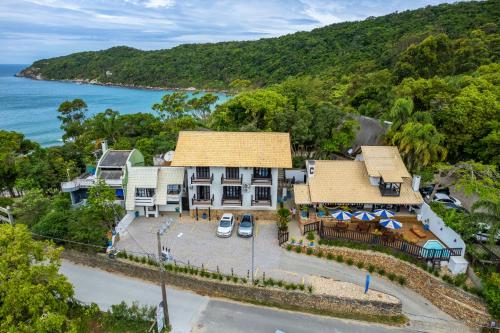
{"points": [[217, 189], [447, 235]]}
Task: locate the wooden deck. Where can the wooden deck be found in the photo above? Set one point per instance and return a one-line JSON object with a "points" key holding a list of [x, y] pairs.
{"points": [[408, 221]]}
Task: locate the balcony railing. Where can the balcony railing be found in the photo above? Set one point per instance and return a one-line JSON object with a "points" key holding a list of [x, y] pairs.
{"points": [[263, 202], [203, 201], [173, 197], [145, 201], [388, 192], [231, 201], [202, 178], [257, 180], [231, 181]]}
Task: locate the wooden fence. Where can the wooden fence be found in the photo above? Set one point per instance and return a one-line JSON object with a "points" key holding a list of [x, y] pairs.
{"points": [[282, 237], [399, 245], [313, 226]]}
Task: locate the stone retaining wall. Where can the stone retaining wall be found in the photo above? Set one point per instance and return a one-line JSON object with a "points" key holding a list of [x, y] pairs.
{"points": [[452, 300], [296, 300]]}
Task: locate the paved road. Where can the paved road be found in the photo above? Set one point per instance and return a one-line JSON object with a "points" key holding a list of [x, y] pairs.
{"points": [[189, 241], [193, 313]]}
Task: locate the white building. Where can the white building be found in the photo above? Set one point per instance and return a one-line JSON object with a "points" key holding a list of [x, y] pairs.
{"points": [[151, 190], [233, 171]]}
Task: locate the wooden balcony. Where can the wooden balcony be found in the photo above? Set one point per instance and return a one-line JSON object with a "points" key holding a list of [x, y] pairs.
{"points": [[231, 181], [262, 180], [202, 201], [231, 201], [389, 192], [202, 178], [262, 202]]}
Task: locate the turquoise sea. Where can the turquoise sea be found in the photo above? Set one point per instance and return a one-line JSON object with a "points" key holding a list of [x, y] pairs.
{"points": [[30, 106]]}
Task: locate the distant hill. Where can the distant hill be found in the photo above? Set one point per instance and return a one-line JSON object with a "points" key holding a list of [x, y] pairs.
{"points": [[338, 48]]}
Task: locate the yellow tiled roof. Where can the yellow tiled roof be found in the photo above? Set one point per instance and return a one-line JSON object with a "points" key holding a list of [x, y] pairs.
{"points": [[301, 194], [233, 149], [386, 160], [347, 182]]}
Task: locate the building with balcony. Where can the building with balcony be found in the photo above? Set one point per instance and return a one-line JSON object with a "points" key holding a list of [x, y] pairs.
{"points": [[232, 170], [111, 168], [377, 178], [152, 190]]}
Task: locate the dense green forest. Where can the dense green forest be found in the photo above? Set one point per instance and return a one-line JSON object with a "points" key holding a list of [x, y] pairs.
{"points": [[365, 46]]}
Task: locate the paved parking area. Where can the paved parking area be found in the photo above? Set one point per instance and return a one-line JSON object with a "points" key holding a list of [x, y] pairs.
{"points": [[195, 242]]}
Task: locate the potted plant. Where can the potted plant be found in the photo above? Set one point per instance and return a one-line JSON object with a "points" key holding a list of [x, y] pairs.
{"points": [[304, 210], [310, 238], [283, 219]]}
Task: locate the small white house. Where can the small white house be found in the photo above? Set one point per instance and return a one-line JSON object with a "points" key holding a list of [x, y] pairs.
{"points": [[151, 190], [233, 171]]}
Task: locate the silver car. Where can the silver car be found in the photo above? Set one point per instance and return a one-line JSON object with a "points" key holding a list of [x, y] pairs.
{"points": [[245, 228]]}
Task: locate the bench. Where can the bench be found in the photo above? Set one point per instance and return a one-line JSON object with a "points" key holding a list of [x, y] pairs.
{"points": [[420, 233]]}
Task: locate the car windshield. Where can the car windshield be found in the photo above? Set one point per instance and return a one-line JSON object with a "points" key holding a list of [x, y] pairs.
{"points": [[225, 223], [246, 224]]}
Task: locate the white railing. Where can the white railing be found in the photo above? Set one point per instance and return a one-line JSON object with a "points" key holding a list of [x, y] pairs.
{"points": [[145, 201], [77, 183], [173, 197]]}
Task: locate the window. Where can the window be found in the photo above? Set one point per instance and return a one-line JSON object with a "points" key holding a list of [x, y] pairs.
{"points": [[203, 172], [262, 173], [232, 173], [144, 192], [203, 192], [173, 189], [232, 192], [262, 193]]}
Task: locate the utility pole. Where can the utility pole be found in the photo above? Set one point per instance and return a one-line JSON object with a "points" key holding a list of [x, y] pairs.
{"points": [[162, 282], [253, 238]]}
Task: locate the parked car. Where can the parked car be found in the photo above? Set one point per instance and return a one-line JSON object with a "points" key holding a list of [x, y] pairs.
{"points": [[483, 234], [245, 228], [444, 198], [449, 205], [427, 190], [226, 225]]}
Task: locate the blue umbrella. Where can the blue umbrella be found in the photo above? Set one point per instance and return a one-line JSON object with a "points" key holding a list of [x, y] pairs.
{"points": [[391, 224], [384, 213], [342, 215], [364, 216]]}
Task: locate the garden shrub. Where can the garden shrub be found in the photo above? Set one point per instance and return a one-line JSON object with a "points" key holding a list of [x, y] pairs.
{"points": [[319, 254], [340, 258], [391, 276], [360, 264], [289, 247], [371, 268], [381, 271], [350, 262], [309, 251], [280, 283], [298, 249], [402, 280], [244, 280], [302, 287], [310, 236], [256, 281], [235, 279], [329, 256], [310, 289]]}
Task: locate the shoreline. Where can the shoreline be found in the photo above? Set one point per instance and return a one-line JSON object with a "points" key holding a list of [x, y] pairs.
{"points": [[125, 86]]}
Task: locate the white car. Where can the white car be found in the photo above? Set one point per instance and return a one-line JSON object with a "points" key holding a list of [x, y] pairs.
{"points": [[226, 225], [444, 198]]}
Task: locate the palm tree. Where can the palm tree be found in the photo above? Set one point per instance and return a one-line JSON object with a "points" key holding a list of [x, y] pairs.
{"points": [[401, 113], [487, 212], [420, 145]]}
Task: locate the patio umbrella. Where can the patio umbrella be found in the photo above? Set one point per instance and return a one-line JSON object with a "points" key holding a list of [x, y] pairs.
{"points": [[391, 224], [384, 213], [364, 216], [341, 215]]}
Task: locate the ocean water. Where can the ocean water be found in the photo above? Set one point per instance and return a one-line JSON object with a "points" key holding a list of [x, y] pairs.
{"points": [[30, 106]]}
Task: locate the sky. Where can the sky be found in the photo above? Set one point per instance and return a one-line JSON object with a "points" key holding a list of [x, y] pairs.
{"points": [[37, 29]]}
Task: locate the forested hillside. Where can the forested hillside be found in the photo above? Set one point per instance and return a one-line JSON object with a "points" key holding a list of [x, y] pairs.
{"points": [[366, 46]]}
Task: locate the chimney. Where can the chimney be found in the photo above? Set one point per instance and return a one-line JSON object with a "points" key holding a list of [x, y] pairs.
{"points": [[104, 146], [310, 168], [415, 184]]}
